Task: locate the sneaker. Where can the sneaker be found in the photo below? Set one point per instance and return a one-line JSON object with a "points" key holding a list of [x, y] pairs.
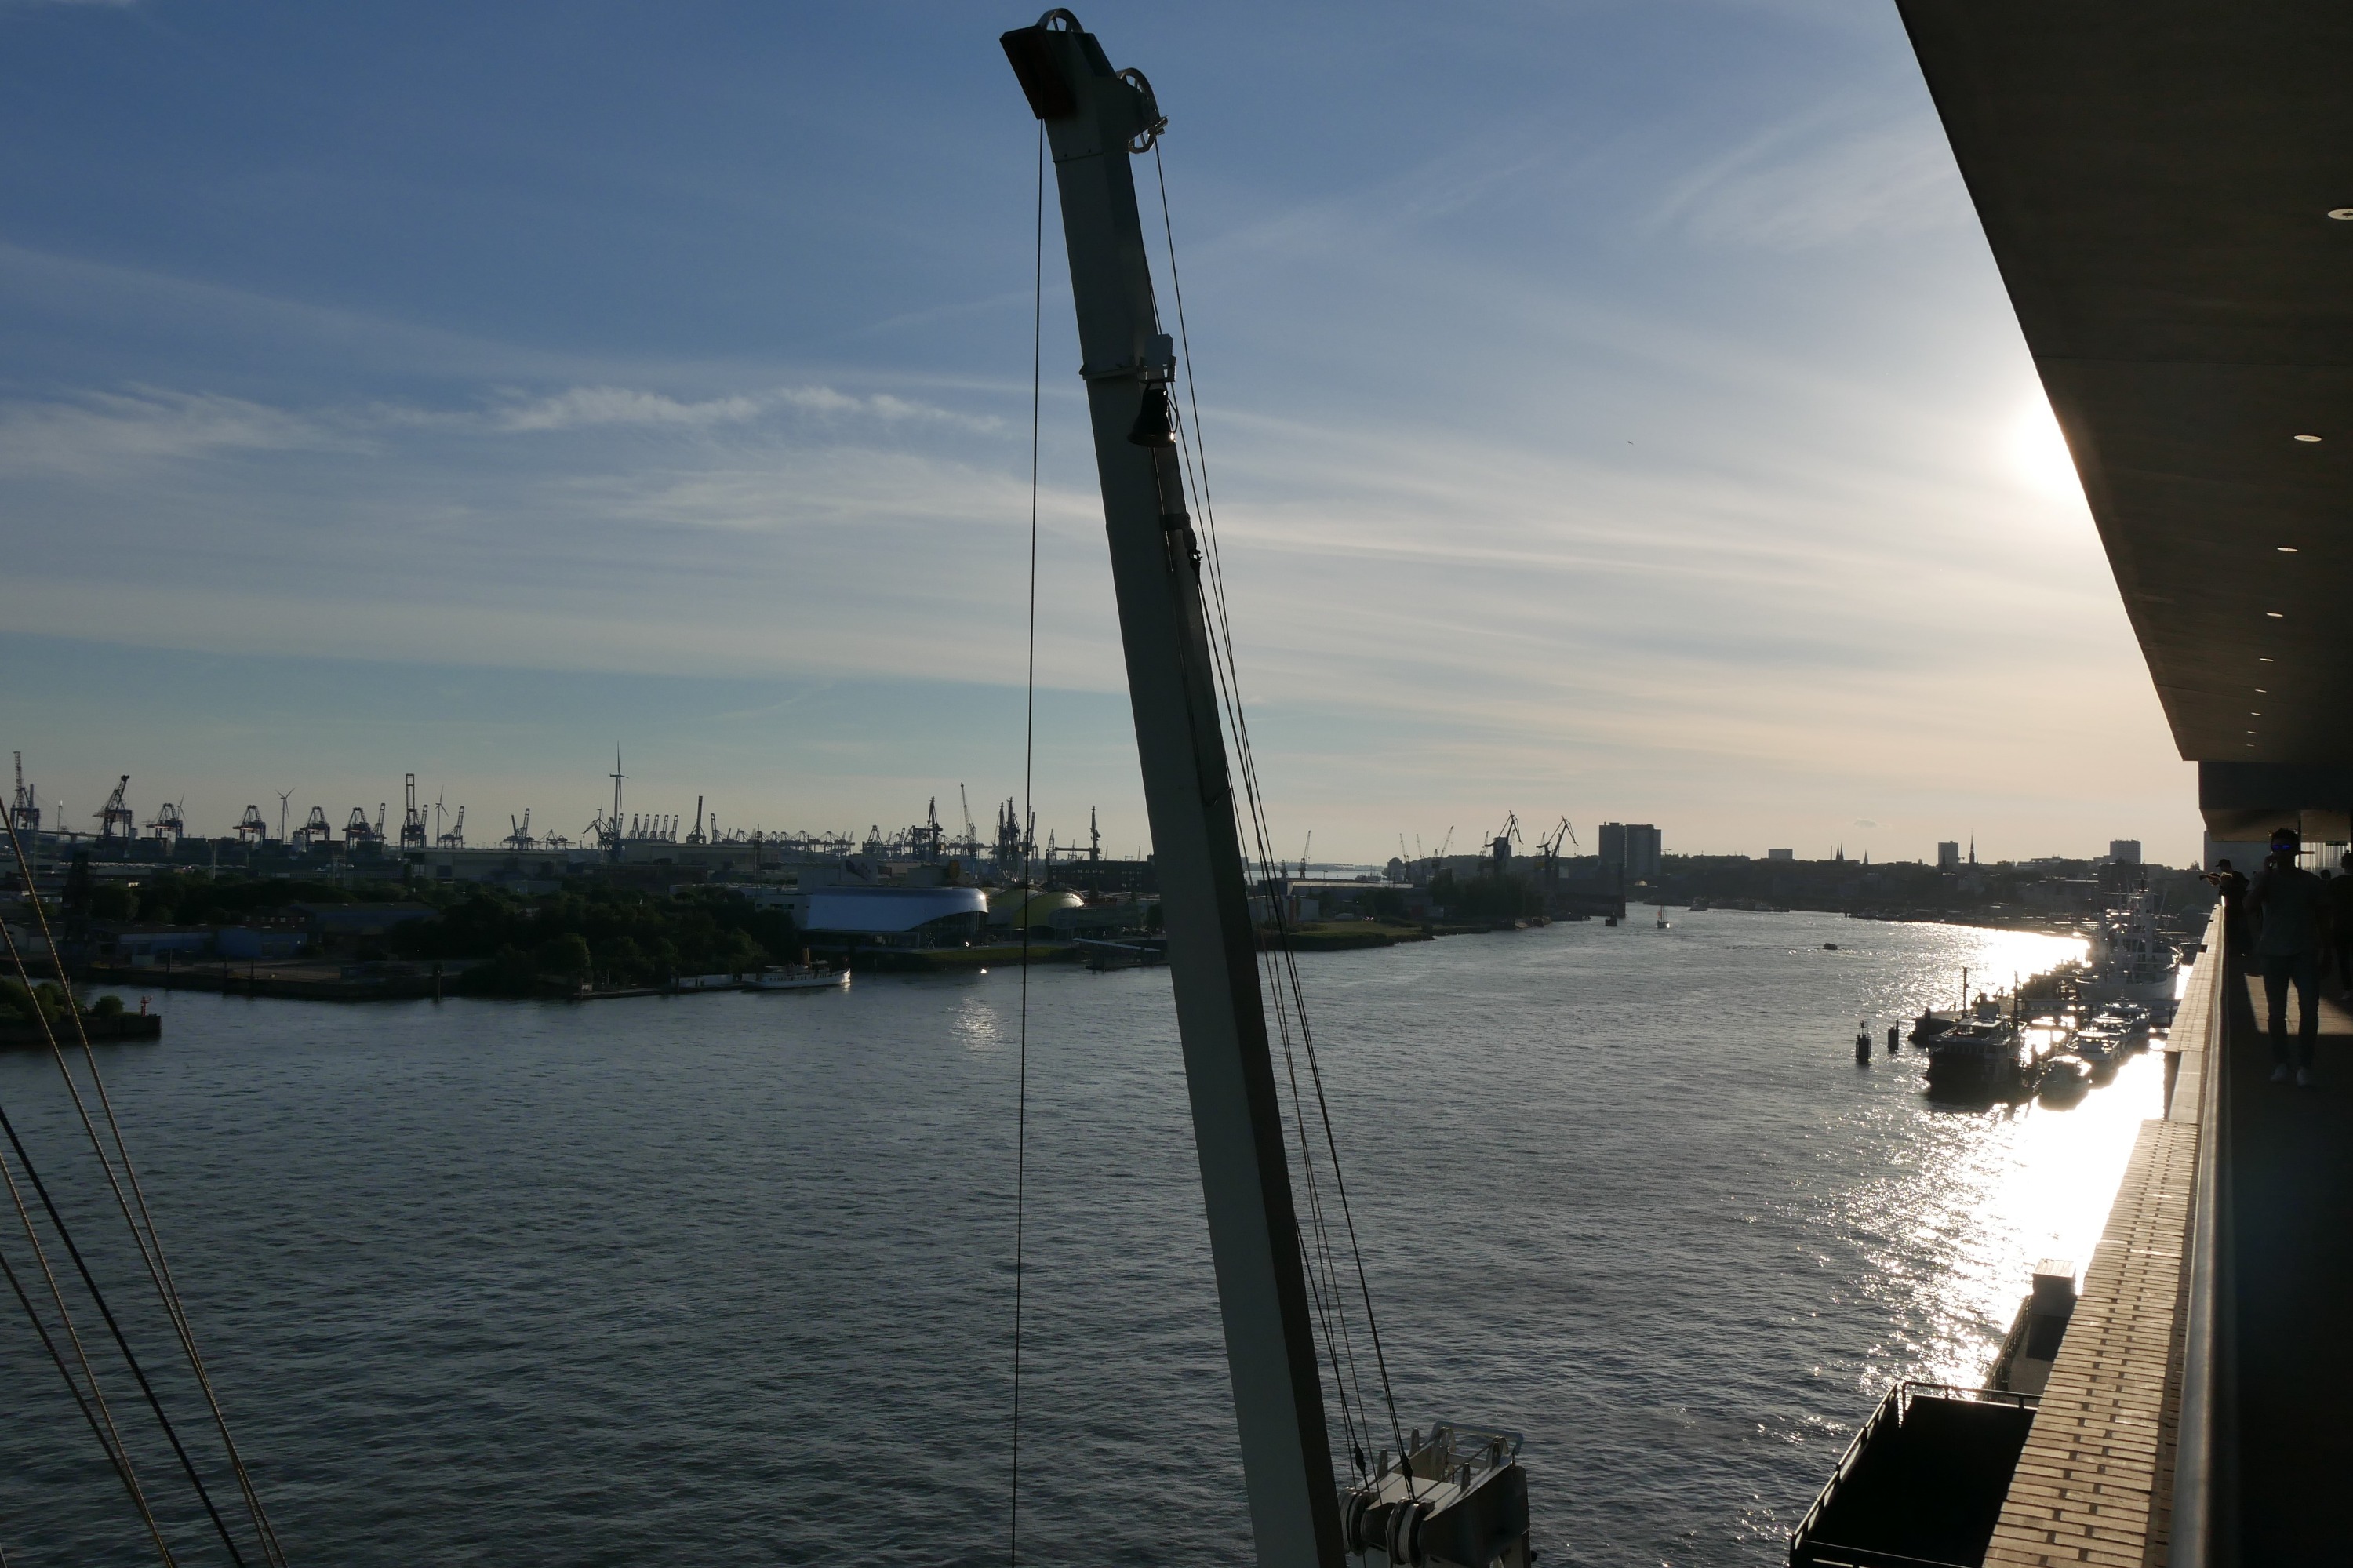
{"points": [[2304, 1077], [2279, 1074]]}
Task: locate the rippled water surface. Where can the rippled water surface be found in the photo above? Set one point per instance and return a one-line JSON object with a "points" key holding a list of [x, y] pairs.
{"points": [[726, 1280]]}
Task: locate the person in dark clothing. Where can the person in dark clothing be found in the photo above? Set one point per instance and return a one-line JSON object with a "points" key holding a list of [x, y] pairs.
{"points": [[2289, 907], [2340, 924], [2233, 889]]}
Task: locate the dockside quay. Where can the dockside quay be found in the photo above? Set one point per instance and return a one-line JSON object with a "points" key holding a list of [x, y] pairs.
{"points": [[2167, 190]]}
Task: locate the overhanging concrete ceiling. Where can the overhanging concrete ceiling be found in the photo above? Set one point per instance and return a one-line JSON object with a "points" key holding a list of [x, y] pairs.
{"points": [[2156, 181]]}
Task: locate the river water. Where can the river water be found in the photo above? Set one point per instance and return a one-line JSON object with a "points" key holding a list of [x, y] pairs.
{"points": [[727, 1280]]}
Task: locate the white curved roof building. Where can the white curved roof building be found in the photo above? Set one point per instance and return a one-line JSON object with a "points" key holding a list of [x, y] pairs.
{"points": [[892, 911]]}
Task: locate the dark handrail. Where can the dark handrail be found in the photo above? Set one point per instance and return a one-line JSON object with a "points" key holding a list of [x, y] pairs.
{"points": [[2201, 1472]]}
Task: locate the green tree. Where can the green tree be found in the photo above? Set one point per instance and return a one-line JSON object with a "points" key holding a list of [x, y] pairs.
{"points": [[563, 958]]}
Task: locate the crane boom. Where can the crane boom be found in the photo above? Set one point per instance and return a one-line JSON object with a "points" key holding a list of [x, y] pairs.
{"points": [[1095, 117]]}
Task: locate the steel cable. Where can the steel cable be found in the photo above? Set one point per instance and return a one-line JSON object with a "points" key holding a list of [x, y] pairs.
{"points": [[143, 1233], [1029, 817], [114, 1329], [1214, 603], [117, 1452]]}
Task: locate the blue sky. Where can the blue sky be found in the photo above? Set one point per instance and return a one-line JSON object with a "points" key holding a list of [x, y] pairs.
{"points": [[1616, 409]]}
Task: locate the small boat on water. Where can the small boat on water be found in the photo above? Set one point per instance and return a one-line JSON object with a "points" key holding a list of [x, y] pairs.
{"points": [[797, 977], [2097, 1045], [2061, 1081]]}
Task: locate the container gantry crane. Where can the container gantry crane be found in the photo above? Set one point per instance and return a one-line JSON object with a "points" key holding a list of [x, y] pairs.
{"points": [[412, 821]]}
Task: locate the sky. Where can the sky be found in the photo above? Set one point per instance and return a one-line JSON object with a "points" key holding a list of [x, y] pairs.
{"points": [[1614, 412]]}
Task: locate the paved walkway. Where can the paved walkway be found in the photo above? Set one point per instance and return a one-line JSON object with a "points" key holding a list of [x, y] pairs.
{"points": [[2292, 1197], [2094, 1482]]}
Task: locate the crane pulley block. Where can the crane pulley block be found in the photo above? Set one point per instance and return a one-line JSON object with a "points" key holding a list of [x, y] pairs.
{"points": [[1457, 1497]]}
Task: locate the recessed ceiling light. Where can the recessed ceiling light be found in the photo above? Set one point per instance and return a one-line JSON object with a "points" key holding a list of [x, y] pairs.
{"points": [[2275, 615], [2285, 549], [2307, 437], [2263, 658], [2254, 716], [2344, 214], [2251, 731], [2262, 691]]}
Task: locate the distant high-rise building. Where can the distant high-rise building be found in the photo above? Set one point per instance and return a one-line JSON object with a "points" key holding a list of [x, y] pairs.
{"points": [[1948, 854], [1780, 855], [2124, 852], [1634, 845]]}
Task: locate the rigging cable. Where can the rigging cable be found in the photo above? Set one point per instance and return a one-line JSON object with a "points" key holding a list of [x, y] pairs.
{"points": [[110, 1437], [106, 1313], [57, 1360], [1215, 603], [1030, 816], [143, 1233], [1328, 1301]]}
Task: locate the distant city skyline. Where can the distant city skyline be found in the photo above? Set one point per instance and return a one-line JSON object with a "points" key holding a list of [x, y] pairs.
{"points": [[1624, 422]]}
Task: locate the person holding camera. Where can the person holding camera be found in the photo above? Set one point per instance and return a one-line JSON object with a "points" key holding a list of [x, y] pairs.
{"points": [[2233, 887], [2289, 908]]}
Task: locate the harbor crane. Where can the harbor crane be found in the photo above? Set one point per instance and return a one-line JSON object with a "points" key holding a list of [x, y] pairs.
{"points": [[358, 831], [26, 810], [253, 828], [412, 821], [1500, 847], [316, 829], [456, 837], [696, 836], [1461, 1497], [117, 824], [971, 841], [168, 823], [520, 838]]}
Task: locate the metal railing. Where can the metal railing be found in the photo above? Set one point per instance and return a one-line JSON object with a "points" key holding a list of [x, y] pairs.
{"points": [[2203, 1531], [1890, 1412]]}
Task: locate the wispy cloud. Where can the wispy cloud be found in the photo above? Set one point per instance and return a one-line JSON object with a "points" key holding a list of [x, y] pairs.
{"points": [[581, 407], [1831, 176], [591, 406], [99, 432]]}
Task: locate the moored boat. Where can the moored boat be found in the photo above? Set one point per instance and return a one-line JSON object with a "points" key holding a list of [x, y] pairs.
{"points": [[797, 977], [2061, 1081], [1982, 1054]]}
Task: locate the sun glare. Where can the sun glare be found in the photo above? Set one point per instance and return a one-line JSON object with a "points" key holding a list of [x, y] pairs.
{"points": [[2038, 454]]}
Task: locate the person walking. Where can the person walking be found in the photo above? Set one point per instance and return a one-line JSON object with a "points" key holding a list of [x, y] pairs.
{"points": [[2289, 908], [2340, 924]]}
